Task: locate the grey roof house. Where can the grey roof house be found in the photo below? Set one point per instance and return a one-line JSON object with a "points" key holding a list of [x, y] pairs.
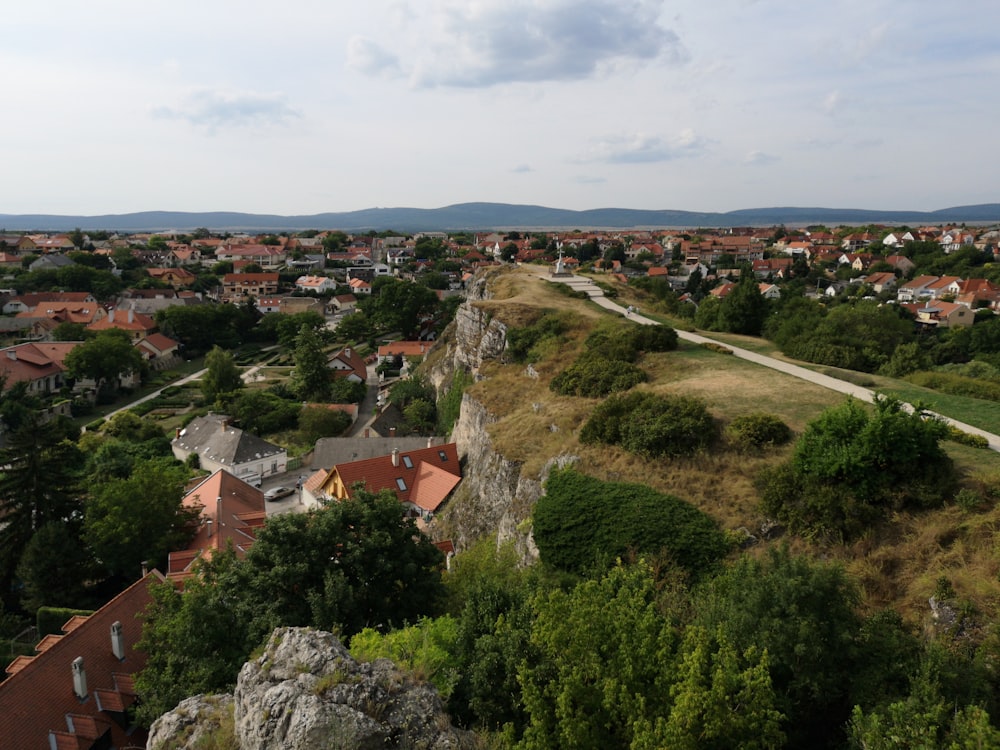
{"points": [[220, 445]]}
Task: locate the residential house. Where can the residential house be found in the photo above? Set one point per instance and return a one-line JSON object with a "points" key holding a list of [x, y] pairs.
{"points": [[422, 479], [916, 288], [344, 302], [159, 351], [316, 284], [940, 314], [884, 281], [403, 349], [176, 277], [268, 257], [359, 286], [58, 244], [976, 293], [78, 690], [230, 514], [136, 325], [237, 287], [220, 445], [51, 263], [900, 263], [898, 238], [66, 312], [347, 363], [40, 364], [769, 291]]}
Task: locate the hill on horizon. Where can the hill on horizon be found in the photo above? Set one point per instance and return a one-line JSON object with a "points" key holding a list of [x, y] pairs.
{"points": [[480, 216]]}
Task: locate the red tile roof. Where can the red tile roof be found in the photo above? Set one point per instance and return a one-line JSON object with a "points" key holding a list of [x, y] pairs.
{"points": [[38, 706], [423, 477], [231, 512]]}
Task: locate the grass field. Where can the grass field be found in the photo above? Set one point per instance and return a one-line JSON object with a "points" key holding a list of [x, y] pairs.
{"points": [[899, 562]]}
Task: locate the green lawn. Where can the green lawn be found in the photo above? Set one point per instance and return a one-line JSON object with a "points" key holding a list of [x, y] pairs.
{"points": [[982, 414]]}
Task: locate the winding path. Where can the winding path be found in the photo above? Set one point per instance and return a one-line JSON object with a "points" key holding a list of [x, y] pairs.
{"points": [[596, 295]]}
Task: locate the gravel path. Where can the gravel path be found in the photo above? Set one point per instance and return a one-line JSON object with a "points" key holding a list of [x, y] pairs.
{"points": [[596, 295]]}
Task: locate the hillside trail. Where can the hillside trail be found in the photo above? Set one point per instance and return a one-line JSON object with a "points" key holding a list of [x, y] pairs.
{"points": [[596, 295]]}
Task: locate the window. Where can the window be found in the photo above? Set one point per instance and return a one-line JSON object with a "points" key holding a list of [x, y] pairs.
{"points": [[442, 455], [407, 462], [401, 484]]}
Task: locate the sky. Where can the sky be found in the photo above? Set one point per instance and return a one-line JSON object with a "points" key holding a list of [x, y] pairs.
{"points": [[306, 106]]}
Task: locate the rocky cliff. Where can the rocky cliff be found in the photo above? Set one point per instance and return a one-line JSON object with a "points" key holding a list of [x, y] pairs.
{"points": [[305, 692]]}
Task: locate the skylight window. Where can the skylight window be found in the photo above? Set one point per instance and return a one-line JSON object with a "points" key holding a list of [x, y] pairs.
{"points": [[407, 462], [442, 455], [401, 484]]}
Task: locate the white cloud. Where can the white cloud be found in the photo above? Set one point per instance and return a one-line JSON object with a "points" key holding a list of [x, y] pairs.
{"points": [[490, 42], [366, 56], [638, 148], [522, 169], [759, 158], [831, 102], [215, 109]]}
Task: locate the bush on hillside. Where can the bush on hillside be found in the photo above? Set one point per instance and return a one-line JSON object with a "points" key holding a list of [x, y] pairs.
{"points": [[596, 376], [757, 431], [581, 521], [652, 425]]}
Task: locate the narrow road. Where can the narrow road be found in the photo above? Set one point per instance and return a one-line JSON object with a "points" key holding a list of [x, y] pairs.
{"points": [[596, 295]]}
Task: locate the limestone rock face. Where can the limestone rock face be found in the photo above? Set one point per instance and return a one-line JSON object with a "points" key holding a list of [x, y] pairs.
{"points": [[191, 722], [306, 692]]}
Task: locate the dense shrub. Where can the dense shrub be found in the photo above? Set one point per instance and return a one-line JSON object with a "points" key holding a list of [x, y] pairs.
{"points": [[652, 425], [851, 466], [755, 431], [596, 376], [967, 438], [521, 341], [580, 521], [956, 384]]}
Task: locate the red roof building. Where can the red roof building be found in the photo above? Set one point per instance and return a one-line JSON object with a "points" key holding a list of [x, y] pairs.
{"points": [[74, 694], [422, 479]]}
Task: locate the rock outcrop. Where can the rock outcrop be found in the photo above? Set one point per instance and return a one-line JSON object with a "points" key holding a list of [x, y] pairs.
{"points": [[306, 692]]}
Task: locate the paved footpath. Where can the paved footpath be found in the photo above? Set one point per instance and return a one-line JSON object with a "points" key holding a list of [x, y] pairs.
{"points": [[596, 295]]}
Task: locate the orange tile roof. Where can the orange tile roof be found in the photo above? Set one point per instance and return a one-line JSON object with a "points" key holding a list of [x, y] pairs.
{"points": [[235, 510], [417, 476]]}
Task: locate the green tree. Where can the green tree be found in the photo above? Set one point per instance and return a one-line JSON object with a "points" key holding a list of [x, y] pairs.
{"points": [[222, 377], [56, 566], [397, 305], [104, 358], [354, 327], [744, 309], [138, 518], [317, 422], [312, 376], [596, 675], [722, 699], [195, 641], [38, 485], [800, 613], [67, 331]]}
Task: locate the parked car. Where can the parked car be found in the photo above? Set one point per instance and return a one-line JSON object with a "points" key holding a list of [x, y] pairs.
{"points": [[276, 493]]}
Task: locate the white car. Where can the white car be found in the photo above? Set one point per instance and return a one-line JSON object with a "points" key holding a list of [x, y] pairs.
{"points": [[276, 493]]}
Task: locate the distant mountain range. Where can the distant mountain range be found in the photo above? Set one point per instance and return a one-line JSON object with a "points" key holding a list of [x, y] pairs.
{"points": [[491, 216]]}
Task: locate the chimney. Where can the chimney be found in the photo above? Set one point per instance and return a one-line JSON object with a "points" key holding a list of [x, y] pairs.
{"points": [[430, 442], [208, 526], [367, 432], [79, 678], [347, 352], [392, 432], [117, 640], [131, 315], [11, 354], [395, 456]]}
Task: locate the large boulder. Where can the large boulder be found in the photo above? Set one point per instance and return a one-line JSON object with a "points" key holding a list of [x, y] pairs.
{"points": [[305, 692]]}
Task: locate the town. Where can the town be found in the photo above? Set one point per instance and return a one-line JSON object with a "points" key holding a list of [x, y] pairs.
{"points": [[241, 384]]}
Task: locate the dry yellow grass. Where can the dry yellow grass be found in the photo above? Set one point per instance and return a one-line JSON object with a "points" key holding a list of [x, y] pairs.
{"points": [[896, 564]]}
